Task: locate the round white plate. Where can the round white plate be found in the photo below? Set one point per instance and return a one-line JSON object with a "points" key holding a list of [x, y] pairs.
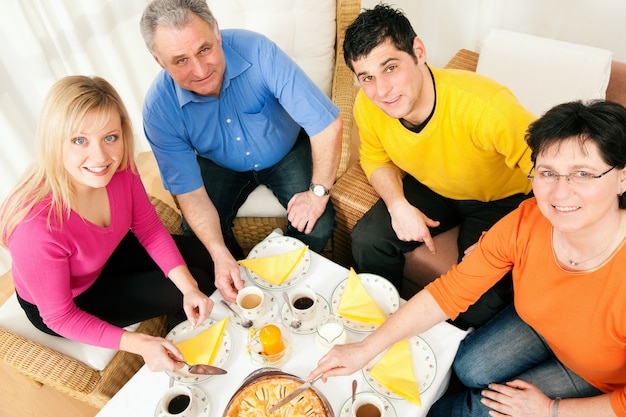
{"points": [[347, 405], [322, 310], [424, 367], [277, 246], [199, 396], [272, 312], [184, 331], [382, 292]]}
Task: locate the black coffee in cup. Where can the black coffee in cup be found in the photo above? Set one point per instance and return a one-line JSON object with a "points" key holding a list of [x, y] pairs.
{"points": [[178, 404], [303, 303]]}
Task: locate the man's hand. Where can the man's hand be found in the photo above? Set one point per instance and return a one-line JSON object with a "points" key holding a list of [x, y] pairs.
{"points": [[304, 209], [410, 224], [227, 278]]}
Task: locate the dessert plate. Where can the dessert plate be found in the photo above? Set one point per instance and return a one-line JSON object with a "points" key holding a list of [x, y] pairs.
{"points": [[184, 331], [424, 367], [382, 292], [277, 246]]}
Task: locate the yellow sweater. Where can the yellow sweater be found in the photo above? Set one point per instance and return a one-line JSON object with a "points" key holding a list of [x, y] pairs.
{"points": [[473, 148]]}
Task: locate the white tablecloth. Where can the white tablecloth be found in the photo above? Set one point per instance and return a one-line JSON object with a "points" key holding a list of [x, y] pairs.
{"points": [[139, 397]]}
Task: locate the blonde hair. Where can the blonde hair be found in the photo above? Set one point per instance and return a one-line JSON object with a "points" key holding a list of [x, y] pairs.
{"points": [[69, 101]]}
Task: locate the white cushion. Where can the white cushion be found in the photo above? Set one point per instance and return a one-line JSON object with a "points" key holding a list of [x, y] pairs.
{"points": [[544, 72], [13, 319], [306, 31], [262, 203]]}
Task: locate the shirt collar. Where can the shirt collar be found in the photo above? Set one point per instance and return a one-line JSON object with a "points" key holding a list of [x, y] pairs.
{"points": [[235, 66]]}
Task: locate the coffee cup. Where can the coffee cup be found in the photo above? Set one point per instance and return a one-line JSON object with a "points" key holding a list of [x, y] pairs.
{"points": [[368, 404], [251, 302], [178, 401], [303, 300]]}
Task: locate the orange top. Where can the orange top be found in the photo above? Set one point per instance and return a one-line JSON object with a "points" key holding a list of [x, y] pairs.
{"points": [[581, 315]]}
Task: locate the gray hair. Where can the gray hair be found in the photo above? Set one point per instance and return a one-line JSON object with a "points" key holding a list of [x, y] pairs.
{"points": [[173, 14]]}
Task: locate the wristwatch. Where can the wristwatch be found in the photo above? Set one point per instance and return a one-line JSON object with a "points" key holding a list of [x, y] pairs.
{"points": [[319, 190]]}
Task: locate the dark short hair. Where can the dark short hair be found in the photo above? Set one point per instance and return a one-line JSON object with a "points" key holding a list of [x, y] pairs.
{"points": [[599, 121], [374, 27]]}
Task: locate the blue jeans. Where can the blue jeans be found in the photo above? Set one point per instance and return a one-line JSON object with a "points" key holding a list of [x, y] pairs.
{"points": [[504, 349], [229, 189]]}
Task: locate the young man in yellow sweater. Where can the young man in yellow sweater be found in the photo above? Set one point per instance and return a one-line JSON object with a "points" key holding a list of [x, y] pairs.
{"points": [[442, 148]]}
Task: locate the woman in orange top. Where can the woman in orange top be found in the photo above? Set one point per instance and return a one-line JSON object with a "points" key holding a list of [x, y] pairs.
{"points": [[565, 336]]}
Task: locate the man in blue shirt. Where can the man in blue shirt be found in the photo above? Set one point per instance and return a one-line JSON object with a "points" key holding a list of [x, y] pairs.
{"points": [[229, 111]]}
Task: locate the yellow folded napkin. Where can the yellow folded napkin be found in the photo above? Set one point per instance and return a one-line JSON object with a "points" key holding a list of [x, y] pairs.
{"points": [[357, 304], [203, 347], [395, 371], [276, 268]]}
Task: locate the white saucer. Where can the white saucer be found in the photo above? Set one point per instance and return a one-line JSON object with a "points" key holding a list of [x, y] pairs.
{"points": [[272, 312], [347, 412], [200, 396], [322, 310]]}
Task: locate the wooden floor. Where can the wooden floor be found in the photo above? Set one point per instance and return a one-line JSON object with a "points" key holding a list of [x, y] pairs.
{"points": [[18, 398]]}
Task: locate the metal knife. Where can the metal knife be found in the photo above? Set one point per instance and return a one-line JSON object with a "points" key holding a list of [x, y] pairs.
{"points": [[293, 394], [202, 369], [199, 369]]}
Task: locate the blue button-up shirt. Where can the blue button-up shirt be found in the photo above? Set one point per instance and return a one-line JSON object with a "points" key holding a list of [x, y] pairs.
{"points": [[264, 101]]}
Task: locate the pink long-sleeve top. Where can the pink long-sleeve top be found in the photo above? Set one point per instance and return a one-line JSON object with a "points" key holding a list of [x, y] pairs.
{"points": [[51, 266]]}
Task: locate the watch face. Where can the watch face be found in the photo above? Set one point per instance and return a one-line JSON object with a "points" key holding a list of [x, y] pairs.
{"points": [[318, 190]]}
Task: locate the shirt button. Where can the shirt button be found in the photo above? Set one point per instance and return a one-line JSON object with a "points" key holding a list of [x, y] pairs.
{"points": [[256, 165], [248, 153], [238, 138], [228, 120]]}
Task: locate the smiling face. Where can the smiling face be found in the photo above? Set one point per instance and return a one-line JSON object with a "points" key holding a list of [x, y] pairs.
{"points": [[94, 153], [192, 55], [396, 83], [574, 207]]}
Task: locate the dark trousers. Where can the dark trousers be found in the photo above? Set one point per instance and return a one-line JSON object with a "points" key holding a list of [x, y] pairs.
{"points": [[228, 191], [377, 249], [132, 288]]}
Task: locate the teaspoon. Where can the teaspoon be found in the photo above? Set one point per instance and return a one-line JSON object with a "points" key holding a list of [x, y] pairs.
{"points": [[245, 323], [295, 322]]}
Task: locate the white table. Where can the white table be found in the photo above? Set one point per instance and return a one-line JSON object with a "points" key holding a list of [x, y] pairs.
{"points": [[141, 394]]}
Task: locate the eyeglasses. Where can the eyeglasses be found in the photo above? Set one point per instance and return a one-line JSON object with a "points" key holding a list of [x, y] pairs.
{"points": [[577, 177]]}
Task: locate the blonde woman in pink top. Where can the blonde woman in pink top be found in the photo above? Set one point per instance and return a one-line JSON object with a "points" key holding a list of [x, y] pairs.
{"points": [[90, 255]]}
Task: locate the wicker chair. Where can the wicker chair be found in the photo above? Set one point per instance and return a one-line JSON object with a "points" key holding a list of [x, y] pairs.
{"points": [[251, 230], [42, 365], [353, 195]]}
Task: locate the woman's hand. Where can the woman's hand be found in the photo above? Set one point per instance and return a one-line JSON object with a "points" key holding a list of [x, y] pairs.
{"points": [[158, 353], [341, 360], [516, 399], [197, 306]]}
